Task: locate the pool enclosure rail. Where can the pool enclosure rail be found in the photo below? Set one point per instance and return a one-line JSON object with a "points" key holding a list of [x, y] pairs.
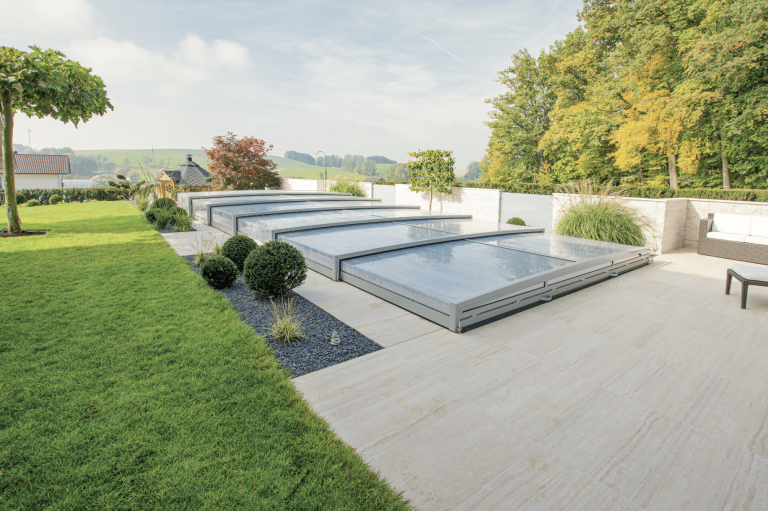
{"points": [[280, 200], [506, 299], [335, 272], [375, 220], [189, 197], [233, 228]]}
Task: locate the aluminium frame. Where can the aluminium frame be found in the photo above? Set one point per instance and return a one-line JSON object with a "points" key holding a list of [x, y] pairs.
{"points": [[276, 200], [509, 298], [190, 196], [335, 272]]}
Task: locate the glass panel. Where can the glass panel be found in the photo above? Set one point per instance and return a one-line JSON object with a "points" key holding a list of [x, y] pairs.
{"points": [[223, 214], [320, 245], [444, 273], [260, 227], [395, 213], [564, 247], [200, 204], [463, 226], [535, 210]]}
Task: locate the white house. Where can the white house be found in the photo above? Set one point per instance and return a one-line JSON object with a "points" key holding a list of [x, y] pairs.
{"points": [[38, 171]]}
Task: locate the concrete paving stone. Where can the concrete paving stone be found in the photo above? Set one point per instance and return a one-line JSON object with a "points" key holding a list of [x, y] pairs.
{"points": [[436, 348], [737, 412], [614, 440], [538, 400], [482, 370], [541, 481], [399, 329], [382, 419], [749, 366], [673, 389], [699, 351], [701, 472], [444, 464], [373, 374]]}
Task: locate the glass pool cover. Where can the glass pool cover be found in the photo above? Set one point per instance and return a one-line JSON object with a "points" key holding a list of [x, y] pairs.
{"points": [[450, 269]]}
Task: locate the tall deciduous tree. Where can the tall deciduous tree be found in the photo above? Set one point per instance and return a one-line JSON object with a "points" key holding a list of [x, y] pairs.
{"points": [[520, 116], [241, 164], [432, 171], [42, 84]]}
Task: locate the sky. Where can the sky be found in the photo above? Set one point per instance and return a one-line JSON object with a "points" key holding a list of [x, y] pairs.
{"points": [[344, 77]]}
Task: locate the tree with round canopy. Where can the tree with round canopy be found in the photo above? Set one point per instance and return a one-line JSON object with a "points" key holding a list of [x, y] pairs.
{"points": [[42, 83]]}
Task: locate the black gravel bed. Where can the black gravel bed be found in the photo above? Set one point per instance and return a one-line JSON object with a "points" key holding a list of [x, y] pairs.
{"points": [[171, 228], [306, 355]]}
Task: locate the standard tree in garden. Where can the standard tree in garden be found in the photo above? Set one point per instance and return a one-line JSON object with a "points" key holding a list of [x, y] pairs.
{"points": [[41, 84], [431, 171], [241, 164]]}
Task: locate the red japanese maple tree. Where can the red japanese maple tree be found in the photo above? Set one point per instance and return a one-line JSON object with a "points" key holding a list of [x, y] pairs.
{"points": [[241, 164]]}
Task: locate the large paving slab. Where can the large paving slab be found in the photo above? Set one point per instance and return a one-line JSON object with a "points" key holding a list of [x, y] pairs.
{"points": [[645, 392]]}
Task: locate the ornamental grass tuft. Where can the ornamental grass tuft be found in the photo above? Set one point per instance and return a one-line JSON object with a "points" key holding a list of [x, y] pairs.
{"points": [[287, 326], [600, 213], [346, 185]]}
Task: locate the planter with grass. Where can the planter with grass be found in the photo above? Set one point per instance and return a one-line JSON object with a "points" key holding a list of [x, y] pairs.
{"points": [[599, 213]]}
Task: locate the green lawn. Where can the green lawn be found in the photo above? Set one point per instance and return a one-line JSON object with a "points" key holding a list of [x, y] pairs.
{"points": [[126, 383]]}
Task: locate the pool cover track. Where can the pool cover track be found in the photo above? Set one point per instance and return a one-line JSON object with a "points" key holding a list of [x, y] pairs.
{"points": [[450, 269]]}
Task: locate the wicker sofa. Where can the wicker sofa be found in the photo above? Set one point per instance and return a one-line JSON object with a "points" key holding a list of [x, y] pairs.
{"points": [[738, 237]]}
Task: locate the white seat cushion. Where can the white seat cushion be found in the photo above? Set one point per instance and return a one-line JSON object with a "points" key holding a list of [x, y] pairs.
{"points": [[727, 236], [751, 272], [733, 224], [757, 240], [759, 226]]}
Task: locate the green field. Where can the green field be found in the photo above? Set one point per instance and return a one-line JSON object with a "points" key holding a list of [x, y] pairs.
{"points": [[127, 383], [170, 158]]}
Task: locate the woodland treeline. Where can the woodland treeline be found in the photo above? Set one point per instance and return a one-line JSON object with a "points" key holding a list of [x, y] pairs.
{"points": [[655, 92], [347, 162]]}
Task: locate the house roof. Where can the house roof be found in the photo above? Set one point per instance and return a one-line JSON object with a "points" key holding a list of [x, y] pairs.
{"points": [[187, 173], [40, 164], [374, 179]]}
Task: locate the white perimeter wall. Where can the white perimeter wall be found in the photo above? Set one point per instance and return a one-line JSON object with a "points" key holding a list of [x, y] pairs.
{"points": [[481, 203], [27, 181]]}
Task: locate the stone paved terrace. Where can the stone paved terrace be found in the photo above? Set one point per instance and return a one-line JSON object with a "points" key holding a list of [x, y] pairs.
{"points": [[648, 391]]}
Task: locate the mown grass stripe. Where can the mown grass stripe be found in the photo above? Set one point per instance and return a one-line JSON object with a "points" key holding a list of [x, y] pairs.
{"points": [[126, 383]]}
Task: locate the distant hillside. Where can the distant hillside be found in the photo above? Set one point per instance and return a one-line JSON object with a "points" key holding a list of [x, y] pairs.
{"points": [[170, 158]]}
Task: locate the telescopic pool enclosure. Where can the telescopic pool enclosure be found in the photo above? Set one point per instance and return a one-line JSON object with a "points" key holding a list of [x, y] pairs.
{"points": [[450, 269]]}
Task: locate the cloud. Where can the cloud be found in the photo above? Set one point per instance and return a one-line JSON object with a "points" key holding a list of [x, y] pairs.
{"points": [[195, 51], [49, 18], [124, 65]]}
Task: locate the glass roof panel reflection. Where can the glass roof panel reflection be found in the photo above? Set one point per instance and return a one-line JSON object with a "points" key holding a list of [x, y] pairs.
{"points": [[444, 273], [260, 227], [223, 214], [564, 247], [464, 225], [320, 245]]}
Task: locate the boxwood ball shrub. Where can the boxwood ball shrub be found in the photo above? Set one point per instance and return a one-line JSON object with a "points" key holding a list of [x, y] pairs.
{"points": [[20, 198], [274, 269], [150, 215], [237, 248], [55, 199], [32, 203], [164, 203], [219, 272], [516, 221]]}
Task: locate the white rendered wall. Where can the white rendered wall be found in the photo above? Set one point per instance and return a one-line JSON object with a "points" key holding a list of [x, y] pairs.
{"points": [[42, 181], [482, 204], [666, 219], [308, 185]]}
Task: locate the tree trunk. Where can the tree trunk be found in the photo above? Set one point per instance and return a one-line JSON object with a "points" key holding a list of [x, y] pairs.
{"points": [[9, 183], [726, 170], [430, 200], [672, 162]]}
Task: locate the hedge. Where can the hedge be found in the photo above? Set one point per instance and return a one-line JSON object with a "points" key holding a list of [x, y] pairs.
{"points": [[644, 192], [71, 194]]}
